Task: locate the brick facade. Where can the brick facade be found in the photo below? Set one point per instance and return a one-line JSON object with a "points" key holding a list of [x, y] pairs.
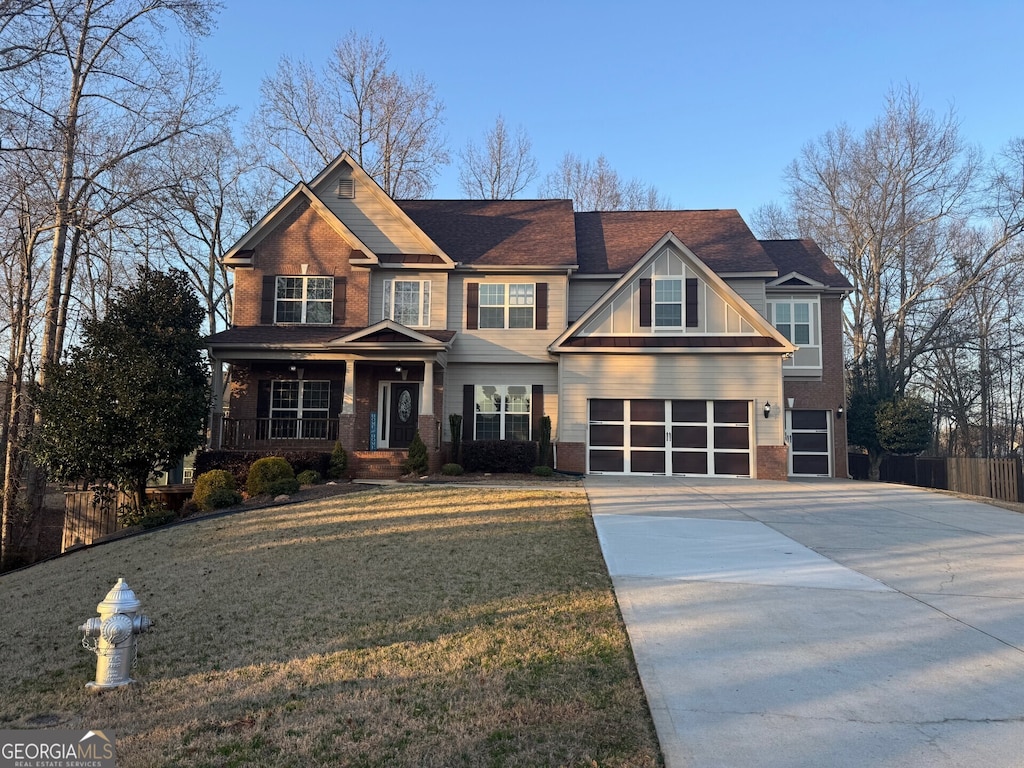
{"points": [[827, 393], [772, 462], [303, 239]]}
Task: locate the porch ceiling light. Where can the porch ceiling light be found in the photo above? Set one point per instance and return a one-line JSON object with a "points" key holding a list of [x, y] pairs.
{"points": [[767, 409], [398, 369]]}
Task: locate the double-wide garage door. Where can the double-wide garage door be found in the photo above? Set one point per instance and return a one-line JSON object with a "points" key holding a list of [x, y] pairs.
{"points": [[678, 437]]}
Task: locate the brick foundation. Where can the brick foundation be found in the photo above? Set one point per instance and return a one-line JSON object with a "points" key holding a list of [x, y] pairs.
{"points": [[571, 457], [772, 462]]}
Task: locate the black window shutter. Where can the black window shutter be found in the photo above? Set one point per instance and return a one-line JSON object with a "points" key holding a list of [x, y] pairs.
{"points": [[337, 398], [692, 318], [468, 411], [340, 284], [645, 302], [541, 299], [537, 408], [263, 399], [472, 305], [267, 299]]}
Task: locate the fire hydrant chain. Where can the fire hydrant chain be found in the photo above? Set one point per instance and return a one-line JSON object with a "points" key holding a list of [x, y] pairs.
{"points": [[113, 636]]}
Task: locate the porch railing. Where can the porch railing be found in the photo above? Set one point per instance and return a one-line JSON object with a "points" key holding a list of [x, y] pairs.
{"points": [[269, 433]]}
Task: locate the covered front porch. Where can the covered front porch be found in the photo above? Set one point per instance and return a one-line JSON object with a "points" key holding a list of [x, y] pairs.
{"points": [[371, 391]]}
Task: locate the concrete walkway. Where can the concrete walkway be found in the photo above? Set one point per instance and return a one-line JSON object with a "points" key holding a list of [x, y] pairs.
{"points": [[825, 624]]}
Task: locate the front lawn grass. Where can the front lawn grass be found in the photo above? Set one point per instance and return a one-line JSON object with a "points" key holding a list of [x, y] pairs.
{"points": [[398, 627]]}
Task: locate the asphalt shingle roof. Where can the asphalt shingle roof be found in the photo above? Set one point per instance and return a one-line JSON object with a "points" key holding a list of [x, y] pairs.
{"points": [[499, 232], [805, 257], [612, 242]]}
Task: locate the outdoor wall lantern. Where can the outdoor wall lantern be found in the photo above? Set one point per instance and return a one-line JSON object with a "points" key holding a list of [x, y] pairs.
{"points": [[839, 412], [767, 409]]}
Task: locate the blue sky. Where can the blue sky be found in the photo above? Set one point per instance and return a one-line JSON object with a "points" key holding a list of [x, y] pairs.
{"points": [[707, 101]]}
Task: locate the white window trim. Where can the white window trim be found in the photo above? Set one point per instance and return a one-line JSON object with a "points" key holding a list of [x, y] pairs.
{"points": [[388, 301], [502, 412], [814, 322], [299, 413], [304, 300], [506, 306], [655, 303]]}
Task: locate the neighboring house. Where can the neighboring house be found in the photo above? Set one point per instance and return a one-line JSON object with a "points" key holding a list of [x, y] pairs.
{"points": [[669, 342]]}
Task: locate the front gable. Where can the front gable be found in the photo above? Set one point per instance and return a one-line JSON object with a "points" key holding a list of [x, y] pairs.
{"points": [[671, 300], [299, 214], [795, 280], [355, 198]]}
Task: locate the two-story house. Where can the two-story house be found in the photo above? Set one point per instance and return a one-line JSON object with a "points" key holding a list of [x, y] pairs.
{"points": [[667, 342]]}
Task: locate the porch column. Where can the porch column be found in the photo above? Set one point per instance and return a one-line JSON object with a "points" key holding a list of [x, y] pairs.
{"points": [[215, 437], [348, 402], [427, 394]]}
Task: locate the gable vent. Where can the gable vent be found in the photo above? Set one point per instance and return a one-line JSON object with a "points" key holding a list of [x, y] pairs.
{"points": [[346, 189]]}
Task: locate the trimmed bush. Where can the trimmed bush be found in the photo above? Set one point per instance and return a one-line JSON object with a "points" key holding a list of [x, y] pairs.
{"points": [[338, 462], [215, 489], [455, 427], [309, 477], [219, 498], [152, 514], [266, 472], [286, 486], [544, 453], [417, 462], [499, 456], [451, 469], [543, 471], [239, 462]]}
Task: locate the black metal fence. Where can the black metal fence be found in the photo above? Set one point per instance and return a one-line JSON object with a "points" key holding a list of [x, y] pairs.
{"points": [[994, 478]]}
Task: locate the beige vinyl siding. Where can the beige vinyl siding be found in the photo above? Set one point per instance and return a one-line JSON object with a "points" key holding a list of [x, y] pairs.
{"points": [[621, 316], [456, 376], [504, 345], [372, 221], [679, 377], [583, 294], [438, 293], [752, 290]]}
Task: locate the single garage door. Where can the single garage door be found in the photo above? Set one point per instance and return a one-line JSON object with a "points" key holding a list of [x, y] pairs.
{"points": [[810, 439], [678, 437]]}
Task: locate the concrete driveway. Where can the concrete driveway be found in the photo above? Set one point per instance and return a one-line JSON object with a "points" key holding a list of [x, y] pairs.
{"points": [[823, 623]]}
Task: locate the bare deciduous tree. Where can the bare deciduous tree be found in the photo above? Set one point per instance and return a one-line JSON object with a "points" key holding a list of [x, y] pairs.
{"points": [[596, 186], [502, 168], [86, 118], [895, 209], [390, 124]]}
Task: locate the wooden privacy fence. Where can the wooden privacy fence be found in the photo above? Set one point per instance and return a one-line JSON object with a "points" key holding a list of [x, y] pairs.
{"points": [[993, 478], [88, 516]]}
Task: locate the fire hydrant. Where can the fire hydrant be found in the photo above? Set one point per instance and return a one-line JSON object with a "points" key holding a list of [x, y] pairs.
{"points": [[112, 636]]}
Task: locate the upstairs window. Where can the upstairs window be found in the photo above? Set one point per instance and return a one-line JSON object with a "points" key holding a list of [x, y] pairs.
{"points": [[669, 302], [304, 300], [407, 302], [798, 320], [509, 305]]}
